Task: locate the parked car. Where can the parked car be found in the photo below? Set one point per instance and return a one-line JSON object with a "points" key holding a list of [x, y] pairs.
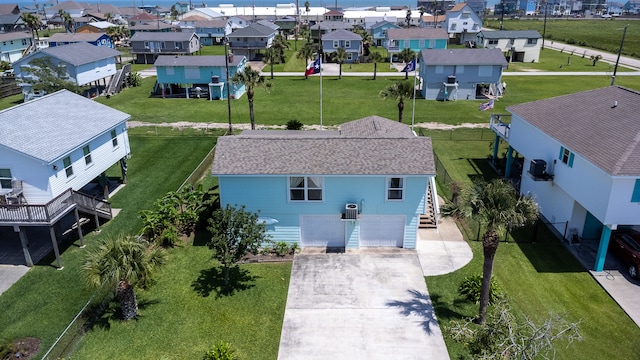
{"points": [[626, 246], [606, 16]]}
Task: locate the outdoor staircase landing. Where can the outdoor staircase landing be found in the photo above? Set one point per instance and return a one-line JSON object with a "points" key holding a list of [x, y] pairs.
{"points": [[428, 219]]}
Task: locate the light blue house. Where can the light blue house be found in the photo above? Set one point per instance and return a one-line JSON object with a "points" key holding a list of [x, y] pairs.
{"points": [[347, 40], [415, 39], [369, 184], [379, 31], [206, 73], [581, 161], [454, 74], [14, 45]]}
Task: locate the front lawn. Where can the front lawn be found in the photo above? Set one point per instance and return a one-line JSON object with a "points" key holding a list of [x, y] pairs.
{"points": [[540, 278]]}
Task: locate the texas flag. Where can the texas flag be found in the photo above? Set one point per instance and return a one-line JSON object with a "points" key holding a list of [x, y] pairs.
{"points": [[313, 68], [410, 66]]}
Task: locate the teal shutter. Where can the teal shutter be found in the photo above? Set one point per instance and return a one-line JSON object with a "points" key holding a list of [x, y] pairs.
{"points": [[561, 151], [571, 159], [635, 197]]}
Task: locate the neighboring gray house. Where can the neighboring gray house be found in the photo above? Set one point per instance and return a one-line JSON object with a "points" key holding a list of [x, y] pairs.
{"points": [[453, 74], [349, 41], [250, 40], [211, 32], [146, 46], [316, 31], [520, 46], [84, 64], [463, 23]]}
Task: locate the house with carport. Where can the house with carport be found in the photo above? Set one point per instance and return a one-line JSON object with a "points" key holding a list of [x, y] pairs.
{"points": [[147, 46], [251, 40], [461, 74], [369, 184], [415, 39], [517, 45], [462, 23], [581, 161], [54, 154], [199, 76], [347, 40]]}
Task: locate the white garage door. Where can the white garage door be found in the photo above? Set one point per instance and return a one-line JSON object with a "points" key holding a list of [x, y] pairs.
{"points": [[381, 230], [322, 231]]}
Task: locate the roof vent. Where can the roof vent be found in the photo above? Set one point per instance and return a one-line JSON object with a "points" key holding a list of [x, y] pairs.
{"points": [[615, 104]]}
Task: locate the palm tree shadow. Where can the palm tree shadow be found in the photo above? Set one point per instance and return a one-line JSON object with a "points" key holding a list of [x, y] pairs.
{"points": [[420, 307], [101, 315], [212, 280]]}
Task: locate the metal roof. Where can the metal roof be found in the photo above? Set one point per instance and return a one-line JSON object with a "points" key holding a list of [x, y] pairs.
{"points": [[511, 34], [163, 36], [364, 149], [341, 34], [52, 126], [601, 125], [253, 30], [463, 57], [67, 37], [76, 54], [204, 60]]}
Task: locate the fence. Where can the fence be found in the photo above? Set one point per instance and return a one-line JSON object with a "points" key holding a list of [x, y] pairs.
{"points": [[8, 87]]}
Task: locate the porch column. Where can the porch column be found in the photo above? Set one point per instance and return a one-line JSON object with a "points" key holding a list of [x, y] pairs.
{"points": [[496, 145], [186, 89], [123, 169], [105, 185], [25, 243], [162, 86], [54, 241], [507, 171], [602, 248], [75, 212]]}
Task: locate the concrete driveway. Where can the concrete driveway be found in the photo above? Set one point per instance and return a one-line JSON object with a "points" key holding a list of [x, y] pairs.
{"points": [[360, 305]]}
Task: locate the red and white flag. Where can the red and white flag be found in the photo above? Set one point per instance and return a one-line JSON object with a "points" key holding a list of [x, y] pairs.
{"points": [[313, 68]]}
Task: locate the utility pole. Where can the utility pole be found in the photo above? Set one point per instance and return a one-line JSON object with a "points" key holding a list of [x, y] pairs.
{"points": [[615, 69], [227, 83], [544, 28]]}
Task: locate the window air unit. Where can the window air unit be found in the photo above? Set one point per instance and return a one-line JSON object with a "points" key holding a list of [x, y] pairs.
{"points": [[351, 211], [537, 167]]}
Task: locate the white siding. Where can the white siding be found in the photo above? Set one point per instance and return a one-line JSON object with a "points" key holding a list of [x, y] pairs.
{"points": [[33, 173], [95, 71]]}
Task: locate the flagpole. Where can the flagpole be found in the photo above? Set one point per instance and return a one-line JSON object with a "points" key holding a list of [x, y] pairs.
{"points": [[413, 111], [320, 61]]}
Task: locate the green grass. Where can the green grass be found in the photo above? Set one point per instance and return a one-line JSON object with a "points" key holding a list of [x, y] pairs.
{"points": [[181, 317], [539, 278], [343, 100], [553, 60], [598, 34], [44, 301]]}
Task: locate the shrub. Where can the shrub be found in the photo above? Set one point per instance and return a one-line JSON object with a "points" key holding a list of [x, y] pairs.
{"points": [[294, 248], [294, 125], [221, 351], [472, 285], [281, 248]]}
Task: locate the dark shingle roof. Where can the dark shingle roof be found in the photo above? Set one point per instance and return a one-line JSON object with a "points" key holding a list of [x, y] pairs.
{"points": [[341, 34], [254, 30], [463, 57], [162, 36], [14, 36], [417, 33], [50, 127], [204, 60], [79, 53], [588, 124], [151, 26], [370, 146], [511, 34], [332, 25]]}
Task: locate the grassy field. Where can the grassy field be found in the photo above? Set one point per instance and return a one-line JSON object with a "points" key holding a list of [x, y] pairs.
{"points": [[598, 33], [343, 100], [45, 300], [540, 278], [553, 60]]}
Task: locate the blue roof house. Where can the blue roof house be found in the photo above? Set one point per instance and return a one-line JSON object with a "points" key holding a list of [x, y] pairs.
{"points": [[348, 40], [52, 150], [368, 184], [95, 39], [584, 172], [379, 31], [453, 74], [205, 72]]}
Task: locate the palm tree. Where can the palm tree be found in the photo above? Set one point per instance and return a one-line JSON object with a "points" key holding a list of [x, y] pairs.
{"points": [[339, 56], [367, 40], [108, 17], [399, 90], [270, 57], [123, 263], [280, 44], [406, 55], [67, 20], [33, 22], [306, 7], [407, 18], [306, 53], [251, 79], [496, 205], [375, 58]]}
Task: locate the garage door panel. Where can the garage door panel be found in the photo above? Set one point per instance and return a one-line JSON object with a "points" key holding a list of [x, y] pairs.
{"points": [[382, 230], [322, 231]]}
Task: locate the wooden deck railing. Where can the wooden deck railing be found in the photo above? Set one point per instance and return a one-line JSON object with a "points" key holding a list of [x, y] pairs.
{"points": [[49, 212]]}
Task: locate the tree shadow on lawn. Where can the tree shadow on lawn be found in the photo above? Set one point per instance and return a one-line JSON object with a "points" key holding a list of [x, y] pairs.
{"points": [[544, 250], [212, 280]]}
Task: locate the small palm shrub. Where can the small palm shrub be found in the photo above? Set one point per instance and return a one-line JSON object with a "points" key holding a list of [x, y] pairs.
{"points": [[294, 125], [472, 285], [221, 351]]}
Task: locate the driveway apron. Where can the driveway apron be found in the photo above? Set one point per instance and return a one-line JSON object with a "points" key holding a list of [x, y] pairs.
{"points": [[359, 306]]}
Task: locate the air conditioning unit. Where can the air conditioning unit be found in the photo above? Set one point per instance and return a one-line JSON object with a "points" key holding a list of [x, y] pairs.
{"points": [[351, 211], [537, 167]]}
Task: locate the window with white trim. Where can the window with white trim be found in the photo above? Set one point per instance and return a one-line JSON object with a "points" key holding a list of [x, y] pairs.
{"points": [[5, 178], [336, 44], [395, 188], [87, 155], [347, 44], [68, 167], [114, 138], [305, 188], [349, 56]]}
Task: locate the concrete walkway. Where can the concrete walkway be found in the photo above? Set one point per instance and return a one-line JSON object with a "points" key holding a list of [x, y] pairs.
{"points": [[9, 274], [442, 250]]}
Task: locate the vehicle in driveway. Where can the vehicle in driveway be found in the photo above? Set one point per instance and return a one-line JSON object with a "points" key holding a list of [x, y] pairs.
{"points": [[626, 247]]}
